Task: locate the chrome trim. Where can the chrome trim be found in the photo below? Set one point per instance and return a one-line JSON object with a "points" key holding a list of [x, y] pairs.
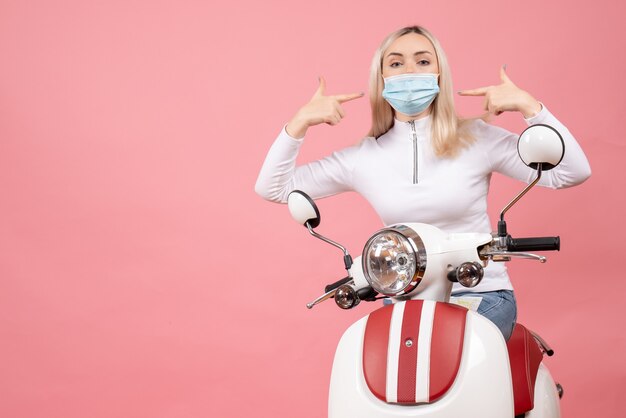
{"points": [[419, 250], [346, 297], [324, 297], [497, 244], [475, 269], [327, 240], [522, 193], [559, 390], [321, 299], [415, 154], [507, 255], [542, 343]]}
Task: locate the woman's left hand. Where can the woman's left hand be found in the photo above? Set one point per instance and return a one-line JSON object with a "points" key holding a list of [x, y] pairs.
{"points": [[506, 97]]}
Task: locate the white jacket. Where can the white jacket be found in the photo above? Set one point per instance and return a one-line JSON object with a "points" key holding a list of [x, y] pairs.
{"points": [[405, 182]]}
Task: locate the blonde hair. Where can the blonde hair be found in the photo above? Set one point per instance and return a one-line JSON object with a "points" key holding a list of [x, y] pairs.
{"points": [[449, 132]]}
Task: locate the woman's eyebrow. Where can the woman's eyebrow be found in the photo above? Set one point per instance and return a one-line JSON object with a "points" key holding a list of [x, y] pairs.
{"points": [[401, 55]]}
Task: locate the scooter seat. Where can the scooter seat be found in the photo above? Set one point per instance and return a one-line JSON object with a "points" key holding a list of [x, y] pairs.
{"points": [[524, 356]]}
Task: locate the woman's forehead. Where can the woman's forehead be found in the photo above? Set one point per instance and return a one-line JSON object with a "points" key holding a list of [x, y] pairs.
{"points": [[410, 44]]}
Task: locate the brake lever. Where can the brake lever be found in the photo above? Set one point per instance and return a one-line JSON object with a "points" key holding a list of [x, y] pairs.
{"points": [[507, 255], [325, 296]]}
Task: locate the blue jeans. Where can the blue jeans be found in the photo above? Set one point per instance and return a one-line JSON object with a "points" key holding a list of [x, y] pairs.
{"points": [[499, 306]]}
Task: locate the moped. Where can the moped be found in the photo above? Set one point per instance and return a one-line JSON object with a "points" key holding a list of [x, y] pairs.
{"points": [[422, 356]]}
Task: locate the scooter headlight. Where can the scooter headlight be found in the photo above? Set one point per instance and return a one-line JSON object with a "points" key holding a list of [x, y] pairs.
{"points": [[394, 260]]}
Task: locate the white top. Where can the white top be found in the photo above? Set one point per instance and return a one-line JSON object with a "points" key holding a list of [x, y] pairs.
{"points": [[450, 193]]}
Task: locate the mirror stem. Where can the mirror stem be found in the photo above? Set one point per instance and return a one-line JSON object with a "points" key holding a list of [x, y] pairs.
{"points": [[347, 258], [502, 224]]}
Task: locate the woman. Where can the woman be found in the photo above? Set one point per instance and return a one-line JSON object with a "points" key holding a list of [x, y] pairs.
{"points": [[421, 162]]}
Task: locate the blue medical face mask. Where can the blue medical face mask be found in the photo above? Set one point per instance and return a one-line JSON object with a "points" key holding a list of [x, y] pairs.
{"points": [[411, 93]]}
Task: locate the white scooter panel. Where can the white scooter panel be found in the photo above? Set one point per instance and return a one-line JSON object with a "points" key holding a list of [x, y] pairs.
{"points": [[478, 384]]}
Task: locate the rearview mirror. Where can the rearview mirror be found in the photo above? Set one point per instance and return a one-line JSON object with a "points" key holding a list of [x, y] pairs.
{"points": [[303, 209], [541, 144]]}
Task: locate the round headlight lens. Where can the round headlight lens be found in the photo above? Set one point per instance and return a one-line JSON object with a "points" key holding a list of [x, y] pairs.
{"points": [[390, 263]]}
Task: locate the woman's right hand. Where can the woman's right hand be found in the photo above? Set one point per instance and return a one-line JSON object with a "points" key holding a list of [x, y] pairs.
{"points": [[320, 109]]}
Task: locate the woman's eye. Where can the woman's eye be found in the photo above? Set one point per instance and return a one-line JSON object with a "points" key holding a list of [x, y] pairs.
{"points": [[423, 62], [395, 64]]}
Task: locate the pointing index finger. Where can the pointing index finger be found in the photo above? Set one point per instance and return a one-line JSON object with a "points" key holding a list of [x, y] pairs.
{"points": [[342, 98], [474, 92]]}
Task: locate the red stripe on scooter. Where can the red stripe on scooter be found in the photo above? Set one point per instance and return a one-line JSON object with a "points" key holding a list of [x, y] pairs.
{"points": [[446, 348], [375, 344], [407, 364]]}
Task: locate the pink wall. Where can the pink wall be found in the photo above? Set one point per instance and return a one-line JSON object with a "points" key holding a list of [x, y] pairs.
{"points": [[140, 276]]}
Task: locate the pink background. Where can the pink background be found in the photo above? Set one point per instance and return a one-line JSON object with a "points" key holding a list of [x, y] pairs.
{"points": [[140, 276]]}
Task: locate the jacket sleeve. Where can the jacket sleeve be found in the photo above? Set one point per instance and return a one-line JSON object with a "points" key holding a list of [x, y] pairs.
{"points": [[502, 153], [279, 174]]}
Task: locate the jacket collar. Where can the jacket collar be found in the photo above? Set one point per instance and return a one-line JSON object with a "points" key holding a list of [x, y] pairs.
{"points": [[404, 130]]}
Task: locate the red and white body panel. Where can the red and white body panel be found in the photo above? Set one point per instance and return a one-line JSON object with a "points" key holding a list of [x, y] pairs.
{"points": [[546, 396], [482, 386]]}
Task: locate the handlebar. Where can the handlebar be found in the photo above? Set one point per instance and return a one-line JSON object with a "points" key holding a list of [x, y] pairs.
{"points": [[338, 283], [534, 244]]}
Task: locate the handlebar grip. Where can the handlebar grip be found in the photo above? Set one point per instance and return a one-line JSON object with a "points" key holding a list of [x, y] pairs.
{"points": [[338, 283], [534, 244]]}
